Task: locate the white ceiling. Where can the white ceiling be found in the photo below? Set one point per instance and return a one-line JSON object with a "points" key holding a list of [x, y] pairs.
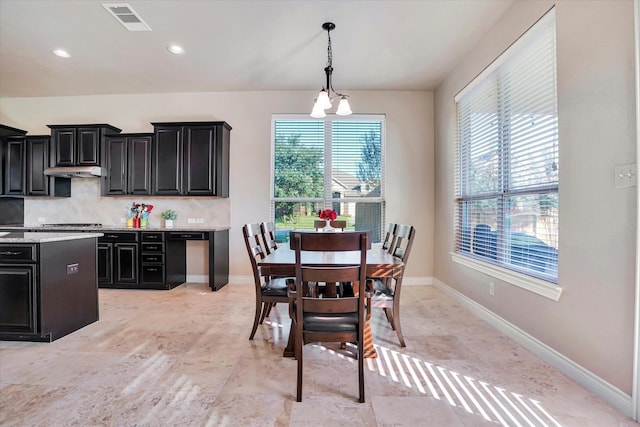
{"points": [[241, 45]]}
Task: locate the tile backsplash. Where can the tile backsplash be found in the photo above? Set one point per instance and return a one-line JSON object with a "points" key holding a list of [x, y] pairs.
{"points": [[86, 205]]}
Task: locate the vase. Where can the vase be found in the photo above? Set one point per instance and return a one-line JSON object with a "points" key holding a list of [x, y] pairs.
{"points": [[328, 228], [136, 222], [168, 223], [129, 222], [143, 223]]}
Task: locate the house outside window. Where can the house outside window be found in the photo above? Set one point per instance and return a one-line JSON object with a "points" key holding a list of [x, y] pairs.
{"points": [[331, 163], [507, 160]]}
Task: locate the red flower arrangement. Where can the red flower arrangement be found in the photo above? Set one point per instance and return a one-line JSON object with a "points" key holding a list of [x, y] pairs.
{"points": [[327, 214]]}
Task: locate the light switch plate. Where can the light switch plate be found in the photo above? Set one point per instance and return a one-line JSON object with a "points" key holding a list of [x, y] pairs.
{"points": [[626, 176]]}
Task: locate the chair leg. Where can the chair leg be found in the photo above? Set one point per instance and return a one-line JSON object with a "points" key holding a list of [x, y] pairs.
{"points": [[299, 351], [266, 308], [269, 307], [256, 319], [396, 322], [387, 312], [361, 372]]}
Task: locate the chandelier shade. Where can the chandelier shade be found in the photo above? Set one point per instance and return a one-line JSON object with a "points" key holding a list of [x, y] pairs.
{"points": [[327, 94]]}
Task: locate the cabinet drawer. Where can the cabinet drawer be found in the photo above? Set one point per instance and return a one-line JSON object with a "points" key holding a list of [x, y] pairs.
{"points": [[18, 253], [152, 237], [153, 247], [152, 258], [187, 235], [153, 274], [117, 237]]}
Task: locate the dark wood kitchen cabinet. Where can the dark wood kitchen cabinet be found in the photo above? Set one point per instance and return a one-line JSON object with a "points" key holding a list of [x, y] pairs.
{"points": [[78, 145], [25, 159], [127, 164], [191, 159], [47, 289], [118, 260], [8, 165], [14, 159]]}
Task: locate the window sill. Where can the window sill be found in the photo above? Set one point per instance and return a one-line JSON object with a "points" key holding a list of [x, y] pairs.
{"points": [[537, 286]]}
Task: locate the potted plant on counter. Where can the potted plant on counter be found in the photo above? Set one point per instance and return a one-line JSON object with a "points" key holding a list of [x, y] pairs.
{"points": [[169, 216]]}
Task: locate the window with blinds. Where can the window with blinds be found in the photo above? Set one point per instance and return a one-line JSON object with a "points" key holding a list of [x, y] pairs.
{"points": [[331, 163], [507, 159]]}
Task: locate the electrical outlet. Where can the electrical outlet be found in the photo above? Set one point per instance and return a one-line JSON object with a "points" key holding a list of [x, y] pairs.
{"points": [[200, 220], [123, 220], [625, 176], [492, 288], [191, 220], [72, 269]]}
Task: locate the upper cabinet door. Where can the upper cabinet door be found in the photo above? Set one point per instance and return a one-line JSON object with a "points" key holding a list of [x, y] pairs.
{"points": [[199, 161], [37, 162], [64, 141], [167, 161], [114, 183], [88, 147], [14, 167], [139, 164]]}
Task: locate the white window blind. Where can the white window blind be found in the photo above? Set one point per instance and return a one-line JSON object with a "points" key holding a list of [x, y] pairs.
{"points": [[507, 159], [331, 163]]}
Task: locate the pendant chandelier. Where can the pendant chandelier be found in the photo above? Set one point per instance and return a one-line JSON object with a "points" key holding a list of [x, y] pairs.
{"points": [[327, 94]]}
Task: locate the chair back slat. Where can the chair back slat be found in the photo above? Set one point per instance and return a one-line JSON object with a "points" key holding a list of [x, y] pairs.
{"points": [[389, 237], [404, 236], [268, 231], [330, 305]]}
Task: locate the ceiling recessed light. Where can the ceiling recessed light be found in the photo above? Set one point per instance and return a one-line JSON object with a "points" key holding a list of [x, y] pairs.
{"points": [[61, 53], [174, 48]]}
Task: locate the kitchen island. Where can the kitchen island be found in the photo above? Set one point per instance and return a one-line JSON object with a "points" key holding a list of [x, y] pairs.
{"points": [[48, 284]]}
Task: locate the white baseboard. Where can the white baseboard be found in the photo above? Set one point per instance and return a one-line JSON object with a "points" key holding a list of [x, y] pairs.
{"points": [[587, 379], [197, 278]]}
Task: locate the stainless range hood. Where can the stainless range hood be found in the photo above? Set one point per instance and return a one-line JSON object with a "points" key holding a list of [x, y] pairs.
{"points": [[74, 171]]}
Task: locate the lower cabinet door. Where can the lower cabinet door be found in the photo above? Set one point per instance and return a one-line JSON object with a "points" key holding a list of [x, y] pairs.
{"points": [[126, 263], [105, 263], [18, 311]]}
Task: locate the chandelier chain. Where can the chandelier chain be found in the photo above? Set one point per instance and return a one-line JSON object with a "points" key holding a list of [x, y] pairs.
{"points": [[329, 51]]}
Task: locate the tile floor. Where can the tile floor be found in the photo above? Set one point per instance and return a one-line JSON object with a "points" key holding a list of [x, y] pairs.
{"points": [[183, 358]]}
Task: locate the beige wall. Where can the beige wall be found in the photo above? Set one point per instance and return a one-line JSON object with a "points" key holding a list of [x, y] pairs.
{"points": [[410, 182], [592, 324]]}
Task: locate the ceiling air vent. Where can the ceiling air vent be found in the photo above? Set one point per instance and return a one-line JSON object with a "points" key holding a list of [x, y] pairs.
{"points": [[128, 17]]}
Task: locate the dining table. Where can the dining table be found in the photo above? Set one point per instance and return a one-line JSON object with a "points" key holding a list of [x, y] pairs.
{"points": [[380, 264]]}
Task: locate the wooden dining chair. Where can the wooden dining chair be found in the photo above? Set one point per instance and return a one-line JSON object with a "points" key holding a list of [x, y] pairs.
{"points": [[268, 231], [386, 292], [269, 291], [319, 224], [389, 237], [318, 319]]}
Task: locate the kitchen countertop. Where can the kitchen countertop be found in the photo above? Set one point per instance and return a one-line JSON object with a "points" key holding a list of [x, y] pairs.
{"points": [[110, 228], [26, 237]]}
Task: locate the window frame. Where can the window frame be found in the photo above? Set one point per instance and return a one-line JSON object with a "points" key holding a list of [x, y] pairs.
{"points": [[541, 284], [327, 201]]}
